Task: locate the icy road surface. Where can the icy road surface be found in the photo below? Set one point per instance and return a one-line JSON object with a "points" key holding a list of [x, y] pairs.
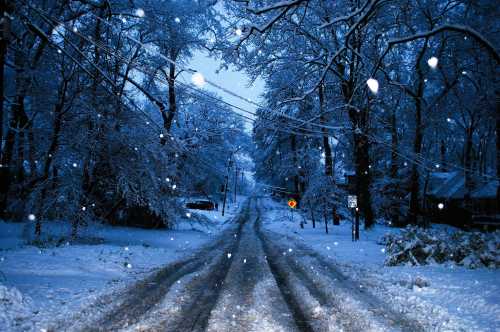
{"points": [[250, 279]]}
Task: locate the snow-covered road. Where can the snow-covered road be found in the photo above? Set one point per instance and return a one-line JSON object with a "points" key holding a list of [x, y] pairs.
{"points": [[249, 279]]}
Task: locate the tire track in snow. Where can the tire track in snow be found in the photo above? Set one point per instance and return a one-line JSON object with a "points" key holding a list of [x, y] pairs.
{"points": [[323, 279], [250, 299], [284, 283], [203, 290]]}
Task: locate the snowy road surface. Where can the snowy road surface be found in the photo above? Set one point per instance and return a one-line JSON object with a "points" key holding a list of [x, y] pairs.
{"points": [[249, 279]]}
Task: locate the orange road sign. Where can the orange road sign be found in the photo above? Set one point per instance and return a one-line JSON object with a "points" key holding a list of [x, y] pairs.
{"points": [[292, 203]]}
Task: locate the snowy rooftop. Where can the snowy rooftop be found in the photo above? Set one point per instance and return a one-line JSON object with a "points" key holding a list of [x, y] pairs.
{"points": [[451, 185]]}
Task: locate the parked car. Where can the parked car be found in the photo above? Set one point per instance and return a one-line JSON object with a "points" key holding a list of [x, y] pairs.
{"points": [[202, 205]]}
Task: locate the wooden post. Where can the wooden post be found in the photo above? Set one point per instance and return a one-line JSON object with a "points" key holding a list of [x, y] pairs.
{"points": [[235, 181], [225, 195], [325, 219], [312, 215], [356, 227]]}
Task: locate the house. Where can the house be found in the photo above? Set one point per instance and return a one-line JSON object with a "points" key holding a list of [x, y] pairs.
{"points": [[444, 200]]}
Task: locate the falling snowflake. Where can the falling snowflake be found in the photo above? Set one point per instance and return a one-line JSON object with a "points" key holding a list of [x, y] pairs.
{"points": [[140, 12], [177, 20], [198, 79], [372, 85], [432, 62], [228, 255], [31, 217]]}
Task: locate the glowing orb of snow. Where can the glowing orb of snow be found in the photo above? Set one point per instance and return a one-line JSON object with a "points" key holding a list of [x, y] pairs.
{"points": [[372, 85], [177, 20], [432, 62], [140, 12], [129, 265], [229, 255], [238, 32], [174, 186], [84, 208], [440, 206], [188, 215], [31, 217], [161, 136], [75, 165]]}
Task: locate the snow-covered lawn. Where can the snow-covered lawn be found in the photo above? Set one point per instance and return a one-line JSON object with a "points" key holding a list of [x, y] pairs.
{"points": [[41, 285], [455, 297]]}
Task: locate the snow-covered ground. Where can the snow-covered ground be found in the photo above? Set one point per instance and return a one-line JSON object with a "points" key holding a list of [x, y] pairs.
{"points": [[456, 298], [41, 285]]}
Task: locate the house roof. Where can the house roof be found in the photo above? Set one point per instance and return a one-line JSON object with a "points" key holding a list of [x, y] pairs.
{"points": [[451, 185], [489, 190]]}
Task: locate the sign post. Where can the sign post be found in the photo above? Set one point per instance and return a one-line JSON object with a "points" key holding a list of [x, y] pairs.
{"points": [[352, 203], [292, 203]]}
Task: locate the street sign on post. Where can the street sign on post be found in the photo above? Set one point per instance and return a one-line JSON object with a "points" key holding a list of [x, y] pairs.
{"points": [[352, 201]]}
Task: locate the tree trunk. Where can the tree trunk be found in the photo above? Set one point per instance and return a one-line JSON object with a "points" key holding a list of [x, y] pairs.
{"points": [[362, 162], [327, 150], [172, 104], [296, 182], [468, 168], [497, 95], [415, 178], [414, 210], [18, 120], [394, 213]]}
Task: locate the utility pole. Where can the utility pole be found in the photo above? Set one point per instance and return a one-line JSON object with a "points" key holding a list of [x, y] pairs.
{"points": [[229, 163], [235, 181]]}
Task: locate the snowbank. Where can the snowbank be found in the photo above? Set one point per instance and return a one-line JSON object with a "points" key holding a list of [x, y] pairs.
{"points": [[15, 309], [418, 246]]}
